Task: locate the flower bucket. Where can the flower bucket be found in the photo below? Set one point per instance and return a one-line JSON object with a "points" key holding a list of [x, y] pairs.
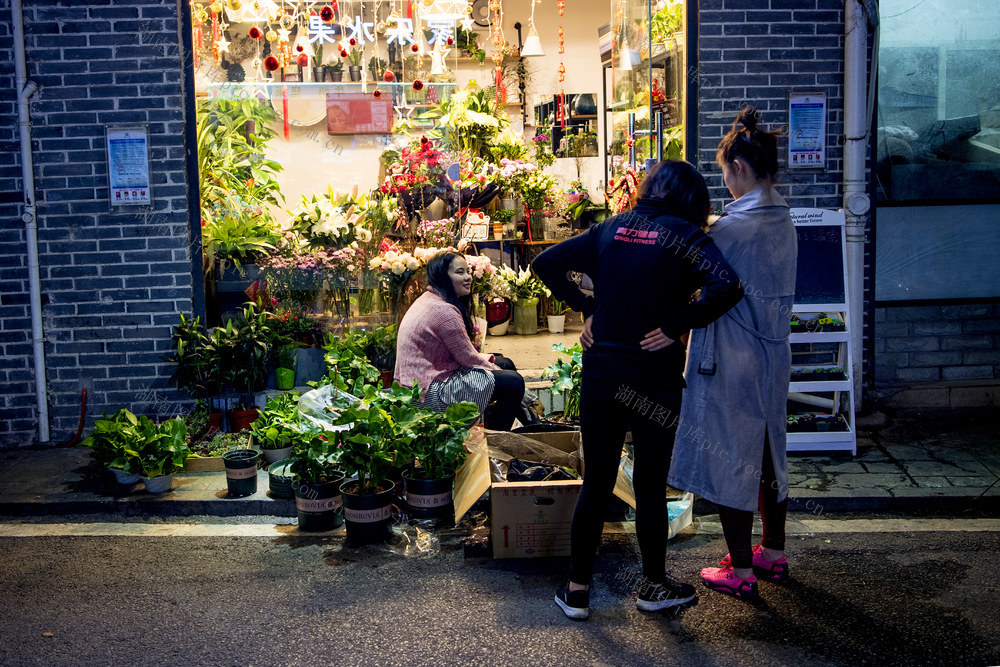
{"points": [[499, 329], [536, 224], [319, 505], [428, 498], [241, 472], [367, 515], [526, 316], [557, 323], [284, 378]]}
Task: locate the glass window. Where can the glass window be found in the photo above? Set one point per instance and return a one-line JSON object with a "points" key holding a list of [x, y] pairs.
{"points": [[939, 100]]}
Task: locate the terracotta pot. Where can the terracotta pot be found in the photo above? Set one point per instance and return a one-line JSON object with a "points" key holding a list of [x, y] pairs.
{"points": [[240, 420]]}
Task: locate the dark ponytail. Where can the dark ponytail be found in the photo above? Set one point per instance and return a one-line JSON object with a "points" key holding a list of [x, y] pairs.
{"points": [[438, 278], [758, 148]]}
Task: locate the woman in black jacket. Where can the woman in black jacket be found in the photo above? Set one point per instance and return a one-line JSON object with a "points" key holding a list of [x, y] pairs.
{"points": [[647, 264]]}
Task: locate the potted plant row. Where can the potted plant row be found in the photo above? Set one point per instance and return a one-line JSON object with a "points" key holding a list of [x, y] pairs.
{"points": [[812, 423], [135, 448], [821, 323], [819, 374]]}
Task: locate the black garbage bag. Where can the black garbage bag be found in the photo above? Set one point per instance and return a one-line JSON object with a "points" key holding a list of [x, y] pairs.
{"points": [[529, 471]]}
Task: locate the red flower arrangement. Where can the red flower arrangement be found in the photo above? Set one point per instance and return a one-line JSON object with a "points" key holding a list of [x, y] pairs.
{"points": [[255, 32], [415, 167], [326, 14]]}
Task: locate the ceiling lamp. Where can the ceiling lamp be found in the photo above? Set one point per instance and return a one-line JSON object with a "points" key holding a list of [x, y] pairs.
{"points": [[532, 45]]}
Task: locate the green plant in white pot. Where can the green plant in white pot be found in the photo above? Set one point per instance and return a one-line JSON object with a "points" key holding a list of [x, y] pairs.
{"points": [[555, 313], [153, 451], [277, 430], [108, 442]]}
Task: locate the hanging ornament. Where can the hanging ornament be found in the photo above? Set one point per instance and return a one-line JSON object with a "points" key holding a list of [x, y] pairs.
{"points": [[271, 63], [255, 32], [300, 48], [221, 46], [326, 14], [499, 46], [377, 93], [343, 53], [414, 48], [302, 60], [286, 21], [215, 8], [388, 76], [234, 5], [271, 36], [418, 84]]}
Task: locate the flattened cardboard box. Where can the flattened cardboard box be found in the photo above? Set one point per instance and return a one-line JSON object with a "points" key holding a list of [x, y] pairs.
{"points": [[529, 519]]}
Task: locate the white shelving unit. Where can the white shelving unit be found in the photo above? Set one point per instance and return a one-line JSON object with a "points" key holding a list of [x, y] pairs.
{"points": [[821, 243]]}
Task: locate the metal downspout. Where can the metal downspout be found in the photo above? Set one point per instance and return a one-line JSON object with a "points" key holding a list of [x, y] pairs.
{"points": [[25, 89], [856, 201]]}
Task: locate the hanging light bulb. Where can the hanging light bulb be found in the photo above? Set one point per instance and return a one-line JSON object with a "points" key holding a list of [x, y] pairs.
{"points": [[532, 45]]}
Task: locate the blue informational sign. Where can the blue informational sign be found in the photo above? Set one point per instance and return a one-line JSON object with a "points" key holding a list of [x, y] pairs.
{"points": [[128, 166], [806, 131]]}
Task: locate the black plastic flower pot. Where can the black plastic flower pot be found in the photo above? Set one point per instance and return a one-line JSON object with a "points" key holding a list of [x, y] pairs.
{"points": [[319, 505], [280, 479], [241, 472], [429, 498], [367, 515]]}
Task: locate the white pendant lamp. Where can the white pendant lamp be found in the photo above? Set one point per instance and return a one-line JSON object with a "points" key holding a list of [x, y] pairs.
{"points": [[532, 45]]}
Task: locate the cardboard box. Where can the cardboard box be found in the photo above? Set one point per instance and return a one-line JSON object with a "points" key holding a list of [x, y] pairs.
{"points": [[529, 519]]}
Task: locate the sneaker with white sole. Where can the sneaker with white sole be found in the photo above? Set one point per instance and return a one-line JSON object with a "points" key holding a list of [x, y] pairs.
{"points": [[669, 593], [575, 604]]}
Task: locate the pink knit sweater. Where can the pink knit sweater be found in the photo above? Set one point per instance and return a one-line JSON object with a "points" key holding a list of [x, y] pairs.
{"points": [[432, 343]]}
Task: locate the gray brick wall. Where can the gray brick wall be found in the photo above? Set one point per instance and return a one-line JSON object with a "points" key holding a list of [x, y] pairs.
{"points": [[112, 283], [937, 343]]}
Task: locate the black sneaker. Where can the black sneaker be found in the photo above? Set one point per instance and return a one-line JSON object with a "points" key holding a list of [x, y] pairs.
{"points": [[575, 604], [670, 593]]}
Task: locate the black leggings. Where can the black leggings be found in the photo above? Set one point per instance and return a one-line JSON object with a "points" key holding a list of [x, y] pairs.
{"points": [[609, 408], [505, 402], [737, 525]]}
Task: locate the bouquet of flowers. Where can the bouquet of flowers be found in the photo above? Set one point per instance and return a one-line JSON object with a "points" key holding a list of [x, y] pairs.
{"points": [[535, 187], [510, 172], [329, 221], [437, 232], [507, 145], [482, 270], [297, 273], [523, 284], [417, 166], [473, 120]]}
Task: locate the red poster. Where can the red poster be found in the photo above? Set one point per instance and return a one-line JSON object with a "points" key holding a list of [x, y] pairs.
{"points": [[357, 113]]}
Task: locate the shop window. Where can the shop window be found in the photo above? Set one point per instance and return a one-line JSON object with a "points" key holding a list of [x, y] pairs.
{"points": [[939, 101]]}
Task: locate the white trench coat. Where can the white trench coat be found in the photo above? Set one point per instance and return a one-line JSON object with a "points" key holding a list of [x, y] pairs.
{"points": [[738, 367]]}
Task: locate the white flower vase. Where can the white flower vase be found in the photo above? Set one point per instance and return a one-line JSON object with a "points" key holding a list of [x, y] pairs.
{"points": [[500, 329], [557, 323]]}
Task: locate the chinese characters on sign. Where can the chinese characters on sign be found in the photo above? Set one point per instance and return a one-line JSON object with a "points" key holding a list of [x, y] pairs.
{"points": [[128, 166], [806, 131]]}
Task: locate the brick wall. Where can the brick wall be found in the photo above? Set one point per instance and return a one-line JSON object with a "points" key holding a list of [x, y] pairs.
{"points": [[112, 283], [916, 344]]}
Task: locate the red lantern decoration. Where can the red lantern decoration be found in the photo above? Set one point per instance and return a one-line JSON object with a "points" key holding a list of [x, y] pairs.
{"points": [[255, 32], [271, 63]]}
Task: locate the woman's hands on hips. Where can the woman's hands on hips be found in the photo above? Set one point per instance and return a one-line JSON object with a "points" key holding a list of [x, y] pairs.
{"points": [[656, 340], [587, 337]]}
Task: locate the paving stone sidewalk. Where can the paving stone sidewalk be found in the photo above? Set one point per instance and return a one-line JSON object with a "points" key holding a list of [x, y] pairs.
{"points": [[912, 461]]}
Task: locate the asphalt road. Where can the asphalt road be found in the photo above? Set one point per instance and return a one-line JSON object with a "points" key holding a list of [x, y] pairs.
{"points": [[273, 597]]}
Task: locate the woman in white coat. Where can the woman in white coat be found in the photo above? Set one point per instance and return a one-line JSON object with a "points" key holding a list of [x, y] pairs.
{"points": [[730, 443]]}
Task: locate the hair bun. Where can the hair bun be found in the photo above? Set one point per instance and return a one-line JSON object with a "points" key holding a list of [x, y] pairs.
{"points": [[748, 118]]}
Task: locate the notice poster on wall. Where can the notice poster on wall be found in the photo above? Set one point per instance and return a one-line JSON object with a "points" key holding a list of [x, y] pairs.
{"points": [[358, 113], [128, 166], [806, 131]]}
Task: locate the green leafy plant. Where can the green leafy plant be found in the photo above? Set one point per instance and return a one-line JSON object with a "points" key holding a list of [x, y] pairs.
{"points": [[348, 365], [249, 341], [317, 58], [355, 57], [371, 446], [467, 41], [376, 66], [337, 65], [502, 215], [566, 377], [317, 458], [198, 371], [240, 239], [435, 439], [380, 347], [277, 426], [138, 445], [667, 21], [556, 307], [284, 356], [223, 442]]}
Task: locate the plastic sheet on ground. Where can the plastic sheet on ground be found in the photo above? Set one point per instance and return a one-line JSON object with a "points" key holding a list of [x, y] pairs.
{"points": [[415, 539], [317, 407]]}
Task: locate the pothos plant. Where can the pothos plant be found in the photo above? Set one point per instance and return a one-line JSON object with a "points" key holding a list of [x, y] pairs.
{"points": [[349, 369], [567, 377], [277, 426], [317, 458], [436, 439], [375, 438], [138, 445]]}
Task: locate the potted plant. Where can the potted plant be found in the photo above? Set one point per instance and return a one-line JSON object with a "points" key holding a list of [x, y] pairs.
{"points": [[250, 341], [198, 371], [335, 70], [316, 481], [556, 313], [347, 365], [434, 447], [369, 452], [376, 66], [567, 377], [276, 428], [319, 70], [355, 56], [525, 289], [108, 443], [380, 348]]}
